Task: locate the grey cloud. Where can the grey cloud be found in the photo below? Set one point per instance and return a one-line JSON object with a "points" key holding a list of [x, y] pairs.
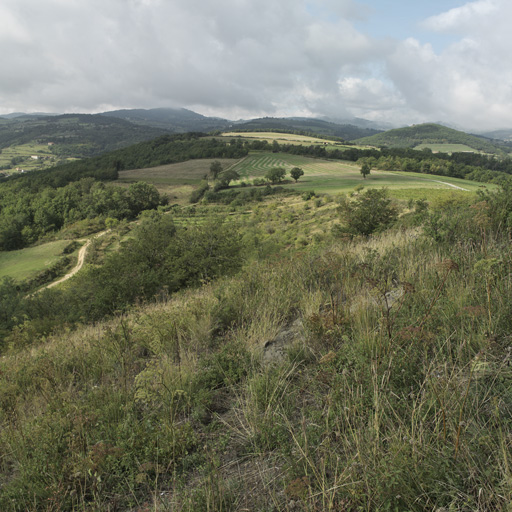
{"points": [[242, 57], [146, 53]]}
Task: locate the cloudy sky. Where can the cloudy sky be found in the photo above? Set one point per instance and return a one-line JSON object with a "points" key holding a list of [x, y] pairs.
{"points": [[395, 61]]}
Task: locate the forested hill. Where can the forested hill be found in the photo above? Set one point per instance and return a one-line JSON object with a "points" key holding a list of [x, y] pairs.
{"points": [[305, 126], [76, 135], [429, 133], [177, 120]]}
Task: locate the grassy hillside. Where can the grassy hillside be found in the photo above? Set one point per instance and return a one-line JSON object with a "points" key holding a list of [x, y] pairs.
{"points": [[335, 373], [27, 263], [426, 134]]}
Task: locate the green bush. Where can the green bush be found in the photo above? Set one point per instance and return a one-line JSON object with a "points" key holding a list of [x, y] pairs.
{"points": [[369, 212]]}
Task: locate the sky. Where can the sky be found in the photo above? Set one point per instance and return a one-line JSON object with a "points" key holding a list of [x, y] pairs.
{"points": [[389, 61]]}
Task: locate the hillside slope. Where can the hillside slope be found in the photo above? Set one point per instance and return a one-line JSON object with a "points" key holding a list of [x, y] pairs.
{"points": [[76, 135], [364, 375], [178, 120], [429, 133], [305, 125]]}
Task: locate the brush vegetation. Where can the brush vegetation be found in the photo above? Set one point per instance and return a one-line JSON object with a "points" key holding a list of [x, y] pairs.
{"points": [[285, 358]]}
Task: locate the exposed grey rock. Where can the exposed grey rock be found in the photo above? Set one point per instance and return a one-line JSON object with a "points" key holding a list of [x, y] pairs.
{"points": [[274, 351]]}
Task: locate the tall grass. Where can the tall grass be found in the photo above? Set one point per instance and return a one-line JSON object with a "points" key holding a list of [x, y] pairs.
{"points": [[394, 391]]}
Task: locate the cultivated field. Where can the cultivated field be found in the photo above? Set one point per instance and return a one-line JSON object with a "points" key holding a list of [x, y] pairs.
{"points": [[328, 176], [288, 138], [322, 176], [176, 180], [23, 157]]}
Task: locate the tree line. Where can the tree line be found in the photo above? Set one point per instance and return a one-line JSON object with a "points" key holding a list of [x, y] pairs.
{"points": [[42, 202]]}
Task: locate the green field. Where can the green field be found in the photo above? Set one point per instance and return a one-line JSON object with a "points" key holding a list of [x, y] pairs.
{"points": [[176, 180], [448, 148], [27, 263], [24, 157], [322, 176], [328, 176]]}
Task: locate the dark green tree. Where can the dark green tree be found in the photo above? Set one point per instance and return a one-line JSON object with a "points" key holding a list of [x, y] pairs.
{"points": [[143, 196], [296, 173], [365, 169], [215, 169], [228, 176], [275, 175]]}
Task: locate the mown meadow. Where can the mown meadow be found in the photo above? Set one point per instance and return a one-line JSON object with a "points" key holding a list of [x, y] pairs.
{"points": [[320, 175]]}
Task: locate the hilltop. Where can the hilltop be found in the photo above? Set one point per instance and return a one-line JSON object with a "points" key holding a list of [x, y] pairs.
{"points": [[176, 120], [305, 126], [265, 345], [423, 135], [210, 361]]}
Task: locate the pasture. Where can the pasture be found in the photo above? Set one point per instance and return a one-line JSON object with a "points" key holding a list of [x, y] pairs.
{"points": [[329, 176], [321, 175], [27, 263], [448, 148], [176, 180]]}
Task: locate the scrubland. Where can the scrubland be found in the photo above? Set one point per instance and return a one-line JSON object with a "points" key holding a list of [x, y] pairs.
{"points": [[327, 370]]}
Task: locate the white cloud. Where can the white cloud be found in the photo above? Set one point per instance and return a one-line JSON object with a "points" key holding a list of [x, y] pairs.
{"points": [[467, 17], [469, 83], [229, 53]]}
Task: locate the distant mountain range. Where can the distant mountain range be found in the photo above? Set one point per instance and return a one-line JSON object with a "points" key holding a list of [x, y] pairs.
{"points": [[184, 120], [176, 120], [83, 135]]}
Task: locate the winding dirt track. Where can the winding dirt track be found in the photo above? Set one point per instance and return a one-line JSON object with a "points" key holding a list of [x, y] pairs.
{"points": [[79, 264]]}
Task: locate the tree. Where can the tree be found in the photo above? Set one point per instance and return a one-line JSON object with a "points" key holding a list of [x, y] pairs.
{"points": [[365, 169], [215, 169], [296, 173], [227, 176], [371, 211], [142, 196], [275, 175]]}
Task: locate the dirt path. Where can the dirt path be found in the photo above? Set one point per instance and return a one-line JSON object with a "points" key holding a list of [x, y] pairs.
{"points": [[450, 185], [79, 264]]}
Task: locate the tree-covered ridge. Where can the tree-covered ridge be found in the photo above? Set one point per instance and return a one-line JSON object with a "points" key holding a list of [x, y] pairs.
{"points": [[76, 135], [314, 127], [177, 120], [429, 133]]}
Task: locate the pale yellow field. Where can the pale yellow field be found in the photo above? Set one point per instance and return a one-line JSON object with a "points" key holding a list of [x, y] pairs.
{"points": [[271, 136]]}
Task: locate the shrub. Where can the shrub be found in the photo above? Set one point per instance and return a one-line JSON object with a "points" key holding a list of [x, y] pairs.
{"points": [[369, 212]]}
